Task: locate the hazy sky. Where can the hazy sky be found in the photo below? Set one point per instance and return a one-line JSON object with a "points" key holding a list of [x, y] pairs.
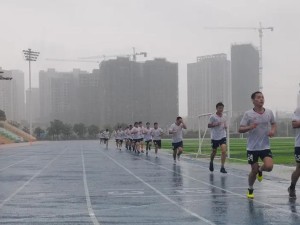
{"points": [[164, 28]]}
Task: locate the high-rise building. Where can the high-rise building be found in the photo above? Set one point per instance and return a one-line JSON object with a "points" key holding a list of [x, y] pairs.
{"points": [[208, 82], [245, 76], [12, 95], [298, 98], [135, 91], [35, 105], [161, 91], [58, 95]]}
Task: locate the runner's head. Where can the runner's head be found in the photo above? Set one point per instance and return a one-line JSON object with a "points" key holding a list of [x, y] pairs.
{"points": [[258, 99], [155, 125], [219, 107], [147, 124], [179, 120]]}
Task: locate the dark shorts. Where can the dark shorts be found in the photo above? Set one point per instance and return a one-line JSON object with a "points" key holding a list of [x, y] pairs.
{"points": [[253, 156], [217, 143], [119, 140], [177, 145], [297, 154], [148, 141], [136, 140], [157, 143]]}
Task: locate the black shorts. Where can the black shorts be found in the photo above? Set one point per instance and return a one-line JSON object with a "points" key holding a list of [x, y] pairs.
{"points": [[136, 140], [148, 141], [157, 143], [253, 156], [297, 154], [177, 145], [217, 143], [119, 140]]}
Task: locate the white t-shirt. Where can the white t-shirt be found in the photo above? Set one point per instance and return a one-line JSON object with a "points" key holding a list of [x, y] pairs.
{"points": [[258, 138], [218, 132], [106, 134], [147, 134], [119, 135], [156, 133], [296, 117], [177, 132], [135, 133]]}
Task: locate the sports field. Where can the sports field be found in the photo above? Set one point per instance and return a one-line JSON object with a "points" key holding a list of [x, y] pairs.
{"points": [[282, 148]]}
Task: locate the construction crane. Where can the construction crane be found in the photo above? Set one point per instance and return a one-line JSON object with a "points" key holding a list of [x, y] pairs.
{"points": [[260, 30], [133, 55], [74, 60], [4, 78]]}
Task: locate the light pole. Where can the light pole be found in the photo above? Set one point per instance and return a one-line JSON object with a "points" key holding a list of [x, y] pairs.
{"points": [[30, 56]]}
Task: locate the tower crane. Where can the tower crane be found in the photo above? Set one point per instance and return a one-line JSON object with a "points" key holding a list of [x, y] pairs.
{"points": [[260, 30], [133, 55]]}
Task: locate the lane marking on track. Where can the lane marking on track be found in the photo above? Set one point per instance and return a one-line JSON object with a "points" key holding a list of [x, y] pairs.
{"points": [[28, 181], [87, 194], [222, 189], [2, 169], [160, 193]]}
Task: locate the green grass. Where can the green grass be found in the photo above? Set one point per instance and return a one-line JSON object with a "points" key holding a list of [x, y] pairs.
{"points": [[282, 148]]}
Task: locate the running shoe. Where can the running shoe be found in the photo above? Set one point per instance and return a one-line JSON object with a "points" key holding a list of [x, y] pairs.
{"points": [[250, 193], [178, 157], [259, 176], [222, 170], [211, 166], [292, 192]]}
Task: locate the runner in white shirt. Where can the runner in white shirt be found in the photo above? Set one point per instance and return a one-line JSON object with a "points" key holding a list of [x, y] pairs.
{"points": [[261, 125], [106, 136], [177, 136], [141, 136], [217, 123], [135, 132], [119, 137], [296, 174], [147, 137], [156, 133]]}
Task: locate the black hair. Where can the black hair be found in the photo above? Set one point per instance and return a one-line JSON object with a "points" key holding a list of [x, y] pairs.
{"points": [[219, 104], [254, 94], [178, 118], [155, 123], [147, 123]]}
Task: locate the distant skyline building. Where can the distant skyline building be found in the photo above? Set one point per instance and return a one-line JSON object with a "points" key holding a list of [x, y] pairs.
{"points": [[298, 98], [140, 91], [121, 91], [244, 75], [208, 82], [58, 92], [35, 105], [12, 95]]}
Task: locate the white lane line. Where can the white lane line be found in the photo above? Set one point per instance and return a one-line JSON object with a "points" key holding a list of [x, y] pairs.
{"points": [[160, 193], [87, 194], [27, 182], [13, 164], [222, 189]]}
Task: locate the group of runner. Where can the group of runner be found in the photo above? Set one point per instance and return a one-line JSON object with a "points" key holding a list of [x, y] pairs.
{"points": [[260, 125], [258, 122], [137, 137]]}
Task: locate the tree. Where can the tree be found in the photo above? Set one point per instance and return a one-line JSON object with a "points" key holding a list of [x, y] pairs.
{"points": [[79, 129], [38, 132], [67, 130], [93, 130], [55, 128], [2, 115]]}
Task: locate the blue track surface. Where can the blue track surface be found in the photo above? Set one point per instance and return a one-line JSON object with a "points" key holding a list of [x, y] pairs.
{"points": [[80, 182]]}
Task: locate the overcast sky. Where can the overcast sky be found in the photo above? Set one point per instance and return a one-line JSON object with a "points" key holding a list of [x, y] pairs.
{"points": [[164, 28]]}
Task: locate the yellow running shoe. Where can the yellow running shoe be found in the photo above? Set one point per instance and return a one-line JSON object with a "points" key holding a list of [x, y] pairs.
{"points": [[250, 193], [259, 176]]}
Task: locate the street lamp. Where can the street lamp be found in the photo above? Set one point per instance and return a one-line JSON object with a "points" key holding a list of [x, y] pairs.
{"points": [[30, 56]]}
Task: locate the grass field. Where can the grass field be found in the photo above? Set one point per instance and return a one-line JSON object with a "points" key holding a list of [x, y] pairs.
{"points": [[282, 148]]}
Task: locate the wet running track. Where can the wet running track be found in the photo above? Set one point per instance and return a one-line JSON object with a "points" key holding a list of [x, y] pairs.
{"points": [[80, 182]]}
